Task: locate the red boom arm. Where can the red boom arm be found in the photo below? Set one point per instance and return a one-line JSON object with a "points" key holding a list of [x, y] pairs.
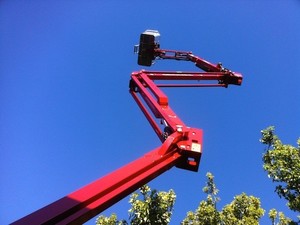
{"points": [[181, 145]]}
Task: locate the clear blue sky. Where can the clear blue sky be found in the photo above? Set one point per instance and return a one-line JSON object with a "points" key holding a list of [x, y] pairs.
{"points": [[67, 118]]}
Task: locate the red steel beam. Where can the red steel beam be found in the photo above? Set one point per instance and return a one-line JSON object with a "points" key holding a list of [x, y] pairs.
{"points": [[85, 203], [190, 85]]}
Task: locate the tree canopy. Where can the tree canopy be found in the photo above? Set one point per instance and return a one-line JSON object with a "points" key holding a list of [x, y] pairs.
{"points": [[243, 210], [282, 163]]}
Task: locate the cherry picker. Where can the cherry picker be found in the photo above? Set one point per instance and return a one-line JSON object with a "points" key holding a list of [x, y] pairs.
{"points": [[181, 145]]}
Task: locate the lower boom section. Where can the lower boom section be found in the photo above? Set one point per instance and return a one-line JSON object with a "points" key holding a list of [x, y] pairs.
{"points": [[85, 203]]}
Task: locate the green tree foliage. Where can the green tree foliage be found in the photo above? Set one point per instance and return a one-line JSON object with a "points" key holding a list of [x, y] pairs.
{"points": [[207, 212], [243, 210], [278, 218], [154, 208], [149, 207], [282, 163], [111, 220]]}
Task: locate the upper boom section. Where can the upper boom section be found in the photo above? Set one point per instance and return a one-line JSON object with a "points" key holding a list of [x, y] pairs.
{"points": [[149, 49]]}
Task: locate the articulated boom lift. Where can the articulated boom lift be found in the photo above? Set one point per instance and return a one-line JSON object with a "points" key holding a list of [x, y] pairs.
{"points": [[181, 145]]}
